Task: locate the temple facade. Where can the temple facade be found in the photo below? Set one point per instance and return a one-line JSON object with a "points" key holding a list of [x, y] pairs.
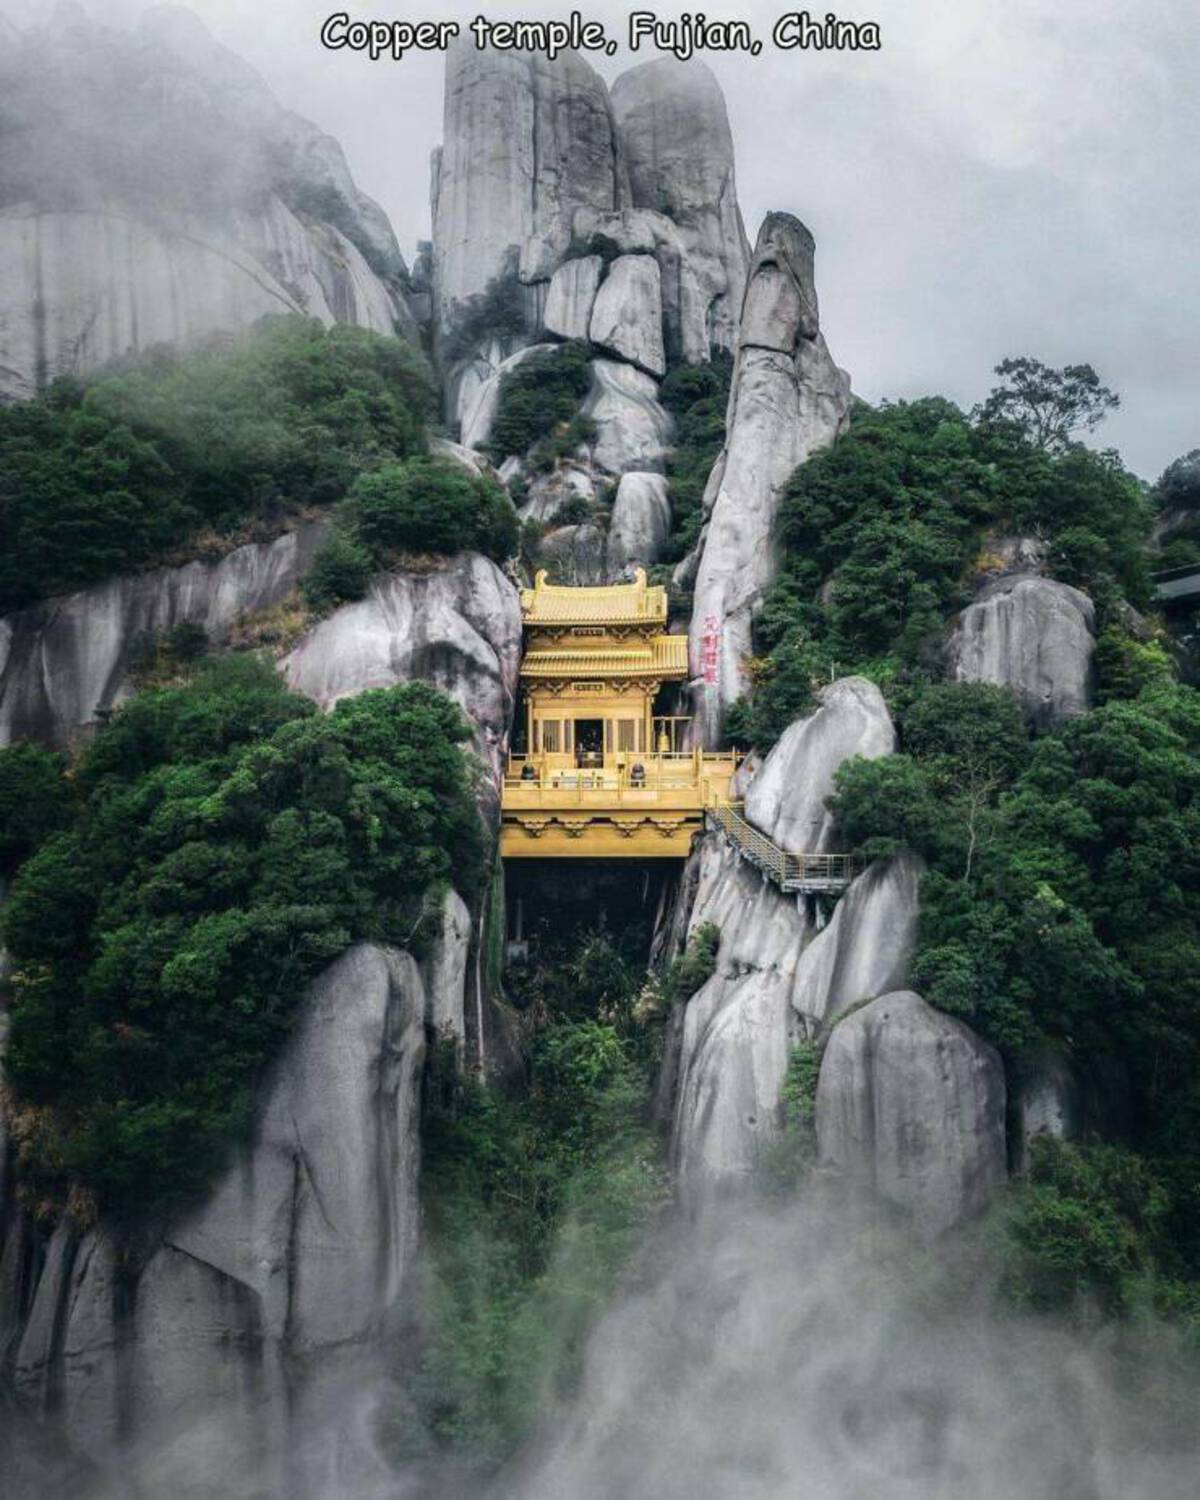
{"points": [[603, 773]]}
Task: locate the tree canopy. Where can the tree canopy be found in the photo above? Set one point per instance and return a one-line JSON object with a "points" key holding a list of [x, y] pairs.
{"points": [[225, 842], [134, 465]]}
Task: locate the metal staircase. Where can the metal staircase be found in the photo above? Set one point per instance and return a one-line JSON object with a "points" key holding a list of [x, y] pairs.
{"points": [[801, 874]]}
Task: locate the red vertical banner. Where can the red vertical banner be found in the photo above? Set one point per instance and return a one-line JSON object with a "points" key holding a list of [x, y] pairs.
{"points": [[710, 650]]}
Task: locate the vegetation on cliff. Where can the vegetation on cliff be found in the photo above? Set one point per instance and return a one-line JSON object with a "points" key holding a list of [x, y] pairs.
{"points": [[419, 507], [215, 847], [884, 535], [179, 452]]}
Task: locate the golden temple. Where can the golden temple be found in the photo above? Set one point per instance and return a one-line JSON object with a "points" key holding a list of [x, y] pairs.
{"points": [[602, 774]]}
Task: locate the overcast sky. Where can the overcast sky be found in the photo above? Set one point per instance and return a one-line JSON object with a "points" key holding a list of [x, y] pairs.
{"points": [[1005, 176]]}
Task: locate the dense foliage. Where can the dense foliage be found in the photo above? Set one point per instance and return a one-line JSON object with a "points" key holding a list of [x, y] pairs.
{"points": [[421, 506], [536, 1200], [109, 476], [697, 397], [883, 534], [538, 412], [226, 841], [1062, 903]]}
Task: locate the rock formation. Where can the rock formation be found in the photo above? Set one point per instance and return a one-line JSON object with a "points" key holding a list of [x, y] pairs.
{"points": [[1033, 635], [787, 798], [215, 1342], [678, 149], [458, 627], [156, 192], [641, 522], [540, 234], [526, 142], [66, 661], [910, 1103], [778, 976], [788, 399]]}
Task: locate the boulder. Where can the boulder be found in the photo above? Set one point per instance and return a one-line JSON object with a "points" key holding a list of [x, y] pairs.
{"points": [[66, 661], [1033, 635], [736, 1030], [458, 627], [445, 972], [549, 493], [161, 193], [627, 316], [1047, 1100], [633, 431], [866, 949], [200, 1358], [686, 301], [574, 555], [788, 399], [572, 296], [675, 139], [641, 522], [787, 798], [910, 1104]]}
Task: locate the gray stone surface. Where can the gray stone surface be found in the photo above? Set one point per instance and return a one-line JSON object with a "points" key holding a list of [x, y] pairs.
{"points": [[641, 522], [786, 800], [458, 627], [572, 296], [1046, 1101], [1033, 635], [526, 141], [627, 315], [65, 661], [787, 401], [200, 1361], [633, 430], [675, 138], [910, 1103], [548, 493], [779, 976], [93, 265], [866, 949], [574, 555]]}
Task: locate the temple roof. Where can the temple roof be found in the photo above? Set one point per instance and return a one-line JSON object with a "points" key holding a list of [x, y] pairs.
{"points": [[637, 603], [660, 657]]}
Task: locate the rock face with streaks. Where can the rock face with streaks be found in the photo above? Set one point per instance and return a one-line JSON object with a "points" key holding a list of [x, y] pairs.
{"points": [[1033, 635], [155, 191], [633, 431], [641, 522], [66, 661], [627, 313], [787, 799], [677, 146], [788, 399], [216, 1345], [458, 627], [779, 977], [911, 1104]]}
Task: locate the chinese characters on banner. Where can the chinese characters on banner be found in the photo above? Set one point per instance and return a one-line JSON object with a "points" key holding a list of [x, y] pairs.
{"points": [[710, 649]]}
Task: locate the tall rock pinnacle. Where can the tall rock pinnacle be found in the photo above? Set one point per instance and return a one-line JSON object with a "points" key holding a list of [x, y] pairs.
{"points": [[678, 149], [788, 400]]}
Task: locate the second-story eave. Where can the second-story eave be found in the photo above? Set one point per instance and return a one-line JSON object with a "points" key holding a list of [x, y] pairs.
{"points": [[662, 658]]}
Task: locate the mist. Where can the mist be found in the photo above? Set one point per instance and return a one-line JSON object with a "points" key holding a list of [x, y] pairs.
{"points": [[810, 1350], [996, 180]]}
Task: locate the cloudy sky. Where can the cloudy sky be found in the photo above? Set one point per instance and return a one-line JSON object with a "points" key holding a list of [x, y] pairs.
{"points": [[1005, 176]]}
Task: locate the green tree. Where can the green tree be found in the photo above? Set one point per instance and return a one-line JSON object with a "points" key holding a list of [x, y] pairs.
{"points": [[1046, 404], [231, 842]]}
